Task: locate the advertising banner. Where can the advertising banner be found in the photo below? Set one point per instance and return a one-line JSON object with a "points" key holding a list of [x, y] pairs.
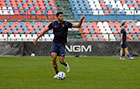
{"points": [[75, 48]]}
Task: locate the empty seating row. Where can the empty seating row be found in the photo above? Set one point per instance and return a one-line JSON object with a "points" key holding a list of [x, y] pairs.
{"points": [[25, 37], [93, 8], [23, 27], [102, 31], [31, 7], [108, 30]]}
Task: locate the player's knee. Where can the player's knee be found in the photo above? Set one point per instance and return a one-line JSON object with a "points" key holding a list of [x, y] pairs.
{"points": [[54, 58], [54, 65]]}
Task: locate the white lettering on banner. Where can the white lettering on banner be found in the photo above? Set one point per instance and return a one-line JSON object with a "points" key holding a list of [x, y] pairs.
{"points": [[79, 48]]}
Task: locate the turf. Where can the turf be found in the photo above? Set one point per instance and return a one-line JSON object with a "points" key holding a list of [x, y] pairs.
{"points": [[86, 73]]}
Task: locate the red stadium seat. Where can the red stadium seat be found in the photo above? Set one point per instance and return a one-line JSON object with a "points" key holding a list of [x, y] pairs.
{"points": [[17, 23], [106, 12], [27, 32], [86, 31], [136, 6], [29, 2], [17, 32], [138, 2], [39, 23], [25, 5], [83, 24], [130, 5], [35, 26], [94, 35], [28, 12], [51, 2], [110, 24], [20, 8], [42, 7], [89, 27], [101, 39], [5, 23], [38, 12], [90, 39], [12, 26], [129, 35], [139, 36], [1, 26], [31, 8], [18, 2]]}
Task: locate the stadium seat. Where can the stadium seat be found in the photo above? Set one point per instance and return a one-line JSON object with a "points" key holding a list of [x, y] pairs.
{"points": [[111, 8], [3, 37], [22, 7], [97, 30], [109, 30]]}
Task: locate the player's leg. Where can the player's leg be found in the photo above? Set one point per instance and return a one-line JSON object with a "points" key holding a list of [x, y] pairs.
{"points": [[54, 57], [127, 53], [61, 54], [121, 54], [61, 59]]}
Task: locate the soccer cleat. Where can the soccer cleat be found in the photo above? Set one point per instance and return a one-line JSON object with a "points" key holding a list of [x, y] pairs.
{"points": [[55, 76], [67, 67], [122, 58], [130, 58]]}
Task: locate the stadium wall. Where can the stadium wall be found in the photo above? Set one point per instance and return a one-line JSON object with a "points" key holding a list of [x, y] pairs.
{"points": [[76, 49]]}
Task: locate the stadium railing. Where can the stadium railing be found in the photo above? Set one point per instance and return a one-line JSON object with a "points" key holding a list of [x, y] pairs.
{"points": [[27, 14], [90, 14], [112, 15]]}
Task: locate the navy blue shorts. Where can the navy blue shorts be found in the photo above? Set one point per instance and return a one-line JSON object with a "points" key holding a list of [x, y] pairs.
{"points": [[58, 48], [124, 45]]}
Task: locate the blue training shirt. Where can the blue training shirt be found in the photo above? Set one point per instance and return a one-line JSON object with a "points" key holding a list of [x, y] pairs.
{"points": [[60, 31], [124, 34]]}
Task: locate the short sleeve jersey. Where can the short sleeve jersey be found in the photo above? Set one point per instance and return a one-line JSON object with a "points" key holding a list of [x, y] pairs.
{"points": [[124, 34], [60, 31]]}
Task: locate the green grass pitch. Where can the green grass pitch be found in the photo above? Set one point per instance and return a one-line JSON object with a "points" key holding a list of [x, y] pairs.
{"points": [[86, 73]]}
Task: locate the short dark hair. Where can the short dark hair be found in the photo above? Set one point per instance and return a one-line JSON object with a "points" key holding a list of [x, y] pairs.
{"points": [[58, 13], [123, 23]]}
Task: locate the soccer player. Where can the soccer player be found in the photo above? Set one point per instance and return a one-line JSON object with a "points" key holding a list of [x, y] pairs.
{"points": [[124, 42], [60, 30]]}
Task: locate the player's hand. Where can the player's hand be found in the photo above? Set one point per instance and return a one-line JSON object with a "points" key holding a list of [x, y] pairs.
{"points": [[35, 41], [83, 17], [131, 38], [121, 43]]}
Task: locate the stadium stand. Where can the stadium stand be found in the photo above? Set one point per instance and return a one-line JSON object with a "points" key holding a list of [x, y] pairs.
{"points": [[104, 31], [90, 31], [93, 30], [106, 9], [28, 31], [64, 5], [19, 9]]}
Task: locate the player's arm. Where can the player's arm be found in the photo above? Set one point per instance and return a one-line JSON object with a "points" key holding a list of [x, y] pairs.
{"points": [[121, 39], [80, 22], [35, 41]]}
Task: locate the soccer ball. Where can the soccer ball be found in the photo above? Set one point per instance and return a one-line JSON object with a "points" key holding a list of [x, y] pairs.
{"points": [[61, 75], [32, 55]]}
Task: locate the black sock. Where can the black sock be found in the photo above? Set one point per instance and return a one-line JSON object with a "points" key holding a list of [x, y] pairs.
{"points": [[66, 64], [56, 72]]}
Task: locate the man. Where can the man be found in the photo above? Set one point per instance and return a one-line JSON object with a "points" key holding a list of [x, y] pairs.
{"points": [[60, 30], [124, 43]]}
